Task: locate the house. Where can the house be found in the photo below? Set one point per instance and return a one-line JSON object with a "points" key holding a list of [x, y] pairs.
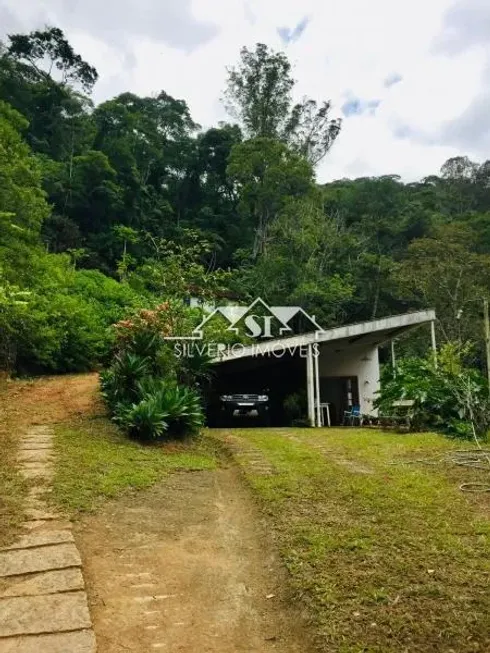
{"points": [[338, 367]]}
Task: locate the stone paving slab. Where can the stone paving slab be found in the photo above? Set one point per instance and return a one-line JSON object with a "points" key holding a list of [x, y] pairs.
{"points": [[37, 514], [39, 491], [48, 524], [35, 501], [41, 539], [35, 445], [82, 641], [53, 613], [36, 465], [42, 439], [37, 470], [35, 455], [43, 605], [38, 429], [46, 582], [26, 561]]}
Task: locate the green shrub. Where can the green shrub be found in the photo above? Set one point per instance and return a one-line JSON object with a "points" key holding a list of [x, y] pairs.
{"points": [[168, 411], [449, 397], [145, 420], [120, 383], [181, 404], [151, 391], [146, 406], [295, 409], [184, 409], [59, 333], [65, 323]]}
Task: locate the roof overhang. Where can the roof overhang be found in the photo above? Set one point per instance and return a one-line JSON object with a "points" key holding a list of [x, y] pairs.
{"points": [[374, 333]]}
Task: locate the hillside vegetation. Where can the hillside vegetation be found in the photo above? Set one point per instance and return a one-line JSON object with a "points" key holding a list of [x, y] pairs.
{"points": [[108, 209]]}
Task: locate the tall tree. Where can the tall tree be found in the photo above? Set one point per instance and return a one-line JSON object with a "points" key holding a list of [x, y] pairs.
{"points": [[259, 91], [310, 131], [23, 205], [259, 94], [444, 272], [149, 143], [208, 196], [42, 77], [50, 49], [307, 263], [267, 175]]}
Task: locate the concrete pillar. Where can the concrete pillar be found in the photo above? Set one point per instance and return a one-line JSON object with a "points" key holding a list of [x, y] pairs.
{"points": [[433, 339], [310, 385], [316, 367]]}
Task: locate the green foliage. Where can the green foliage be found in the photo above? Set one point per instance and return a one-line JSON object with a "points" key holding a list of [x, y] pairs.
{"points": [[268, 176], [176, 269], [65, 323], [448, 397], [23, 204], [58, 115], [445, 272], [151, 392], [304, 264], [178, 407], [149, 408], [120, 383], [259, 94], [50, 44], [60, 332], [259, 91], [145, 420], [145, 335], [13, 302], [296, 409], [106, 209], [60, 325]]}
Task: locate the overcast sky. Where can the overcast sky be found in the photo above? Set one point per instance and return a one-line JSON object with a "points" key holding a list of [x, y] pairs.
{"points": [[411, 79]]}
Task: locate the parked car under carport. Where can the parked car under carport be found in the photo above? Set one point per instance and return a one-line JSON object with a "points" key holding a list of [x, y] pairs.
{"points": [[337, 367]]}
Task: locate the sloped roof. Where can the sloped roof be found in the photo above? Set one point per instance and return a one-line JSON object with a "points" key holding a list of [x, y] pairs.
{"points": [[374, 332]]}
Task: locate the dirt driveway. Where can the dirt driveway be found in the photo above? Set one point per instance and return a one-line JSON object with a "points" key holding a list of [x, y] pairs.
{"points": [[187, 566]]}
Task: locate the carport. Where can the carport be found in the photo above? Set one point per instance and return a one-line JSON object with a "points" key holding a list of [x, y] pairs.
{"points": [[338, 367]]}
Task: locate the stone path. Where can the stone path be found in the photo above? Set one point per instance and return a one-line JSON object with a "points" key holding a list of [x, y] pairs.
{"points": [[317, 443], [43, 604], [252, 456]]}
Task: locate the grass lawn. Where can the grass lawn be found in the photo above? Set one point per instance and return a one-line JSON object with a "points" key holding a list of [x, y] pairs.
{"points": [[95, 461], [383, 548]]}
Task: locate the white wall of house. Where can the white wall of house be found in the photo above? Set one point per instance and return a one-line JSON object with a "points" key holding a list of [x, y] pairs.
{"points": [[198, 302], [359, 361]]}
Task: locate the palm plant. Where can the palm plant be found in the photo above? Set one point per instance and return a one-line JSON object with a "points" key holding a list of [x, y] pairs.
{"points": [[120, 382], [146, 420]]}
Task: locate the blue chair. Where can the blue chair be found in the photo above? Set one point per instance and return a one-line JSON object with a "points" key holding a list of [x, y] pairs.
{"points": [[353, 415]]}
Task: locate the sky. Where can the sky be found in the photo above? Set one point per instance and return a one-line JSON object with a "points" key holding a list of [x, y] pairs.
{"points": [[410, 79]]}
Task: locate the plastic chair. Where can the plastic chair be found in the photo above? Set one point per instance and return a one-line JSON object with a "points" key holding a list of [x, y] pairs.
{"points": [[350, 416]]}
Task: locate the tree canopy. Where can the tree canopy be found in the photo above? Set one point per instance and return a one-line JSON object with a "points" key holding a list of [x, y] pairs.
{"points": [[104, 209], [259, 94]]}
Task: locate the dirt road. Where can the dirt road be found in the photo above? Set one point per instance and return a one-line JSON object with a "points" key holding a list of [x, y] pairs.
{"points": [[187, 567]]}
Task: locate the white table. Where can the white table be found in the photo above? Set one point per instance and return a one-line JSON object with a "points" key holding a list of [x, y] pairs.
{"points": [[325, 407]]}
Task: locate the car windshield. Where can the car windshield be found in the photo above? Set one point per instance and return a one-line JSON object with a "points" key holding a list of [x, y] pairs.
{"points": [[241, 391]]}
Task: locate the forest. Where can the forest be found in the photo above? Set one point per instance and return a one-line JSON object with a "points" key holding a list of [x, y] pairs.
{"points": [[109, 209]]}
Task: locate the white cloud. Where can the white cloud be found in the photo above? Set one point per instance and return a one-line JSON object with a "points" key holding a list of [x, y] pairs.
{"points": [[347, 50]]}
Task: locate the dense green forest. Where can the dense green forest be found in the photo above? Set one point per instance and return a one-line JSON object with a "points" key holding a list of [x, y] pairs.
{"points": [[111, 208]]}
